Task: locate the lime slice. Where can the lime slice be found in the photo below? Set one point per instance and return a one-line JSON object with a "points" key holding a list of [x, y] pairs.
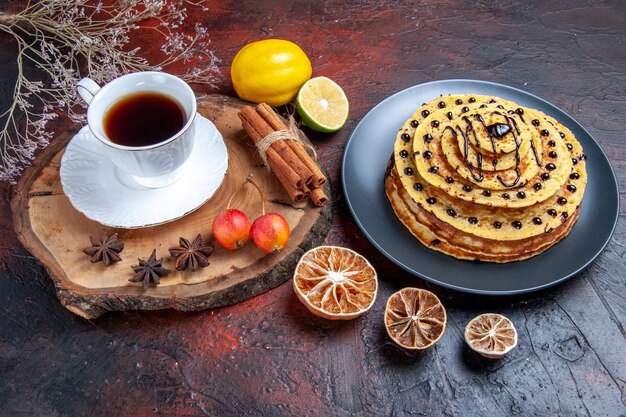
{"points": [[322, 105]]}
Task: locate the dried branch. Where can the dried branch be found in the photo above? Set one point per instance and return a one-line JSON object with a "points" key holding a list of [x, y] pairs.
{"points": [[66, 40]]}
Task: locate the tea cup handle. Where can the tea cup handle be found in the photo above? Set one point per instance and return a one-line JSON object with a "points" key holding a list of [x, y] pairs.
{"points": [[87, 88]]}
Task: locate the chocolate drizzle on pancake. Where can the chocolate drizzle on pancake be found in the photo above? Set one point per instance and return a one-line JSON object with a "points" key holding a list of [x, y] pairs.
{"points": [[482, 196], [489, 131], [518, 173], [479, 156], [497, 130], [532, 143]]}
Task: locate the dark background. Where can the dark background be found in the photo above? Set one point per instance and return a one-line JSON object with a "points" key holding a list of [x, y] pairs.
{"points": [[269, 356]]}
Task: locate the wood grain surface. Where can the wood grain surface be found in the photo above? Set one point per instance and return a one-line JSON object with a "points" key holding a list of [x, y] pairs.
{"points": [[269, 356], [55, 232]]}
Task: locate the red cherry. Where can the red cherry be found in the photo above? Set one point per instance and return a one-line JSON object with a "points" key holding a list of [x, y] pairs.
{"points": [[231, 229], [270, 232]]}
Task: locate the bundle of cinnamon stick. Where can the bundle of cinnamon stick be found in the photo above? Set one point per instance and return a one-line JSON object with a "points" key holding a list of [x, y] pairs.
{"points": [[294, 168]]}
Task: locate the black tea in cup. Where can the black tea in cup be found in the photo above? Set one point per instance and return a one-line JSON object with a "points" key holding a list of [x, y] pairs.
{"points": [[143, 119]]}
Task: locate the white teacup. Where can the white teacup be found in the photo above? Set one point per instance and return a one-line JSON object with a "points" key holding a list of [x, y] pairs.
{"points": [[156, 165]]}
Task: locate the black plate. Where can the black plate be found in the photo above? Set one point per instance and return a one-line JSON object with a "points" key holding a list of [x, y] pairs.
{"points": [[364, 163]]}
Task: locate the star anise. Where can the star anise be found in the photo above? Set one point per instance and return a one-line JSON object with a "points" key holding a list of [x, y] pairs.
{"points": [[106, 249], [149, 271], [192, 255]]}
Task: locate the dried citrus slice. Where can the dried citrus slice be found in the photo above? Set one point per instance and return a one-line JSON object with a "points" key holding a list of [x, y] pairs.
{"points": [[415, 319], [491, 335], [335, 283]]}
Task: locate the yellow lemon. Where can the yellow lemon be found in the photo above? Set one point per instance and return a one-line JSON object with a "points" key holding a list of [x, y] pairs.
{"points": [[270, 71]]}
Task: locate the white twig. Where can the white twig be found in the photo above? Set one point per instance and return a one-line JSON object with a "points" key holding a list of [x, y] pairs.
{"points": [[66, 40]]}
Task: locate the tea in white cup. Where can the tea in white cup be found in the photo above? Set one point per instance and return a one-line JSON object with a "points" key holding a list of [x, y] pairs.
{"points": [[147, 122]]}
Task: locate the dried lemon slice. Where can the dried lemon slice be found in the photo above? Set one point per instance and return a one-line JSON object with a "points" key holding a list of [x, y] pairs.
{"points": [[415, 319], [335, 283], [491, 335]]}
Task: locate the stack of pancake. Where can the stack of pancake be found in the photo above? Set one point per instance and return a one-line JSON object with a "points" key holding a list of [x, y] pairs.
{"points": [[482, 178]]}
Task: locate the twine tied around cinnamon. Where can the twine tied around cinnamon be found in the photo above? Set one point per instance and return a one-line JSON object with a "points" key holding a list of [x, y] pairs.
{"points": [[292, 132], [286, 152]]}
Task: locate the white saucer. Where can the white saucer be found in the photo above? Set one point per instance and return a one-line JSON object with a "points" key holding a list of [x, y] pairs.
{"points": [[103, 193]]}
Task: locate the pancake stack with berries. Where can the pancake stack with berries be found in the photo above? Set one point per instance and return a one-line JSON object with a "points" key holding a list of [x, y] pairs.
{"points": [[482, 178]]}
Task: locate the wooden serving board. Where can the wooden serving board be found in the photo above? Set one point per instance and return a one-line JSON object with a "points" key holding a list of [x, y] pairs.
{"points": [[54, 232]]}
